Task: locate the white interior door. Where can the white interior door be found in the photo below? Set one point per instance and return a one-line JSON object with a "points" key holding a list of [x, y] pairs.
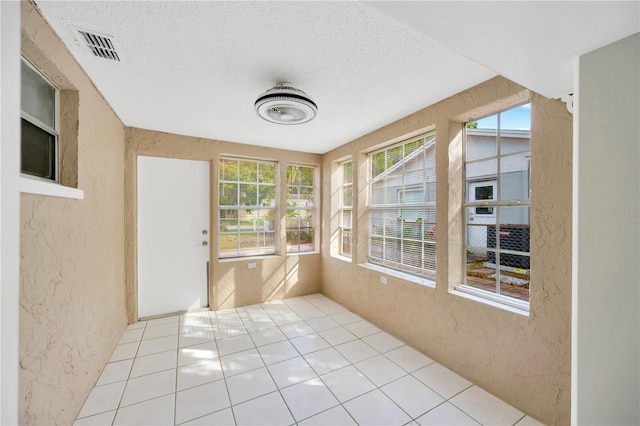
{"points": [[173, 235]]}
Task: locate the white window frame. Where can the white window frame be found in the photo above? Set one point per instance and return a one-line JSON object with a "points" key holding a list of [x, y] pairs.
{"points": [[425, 238], [255, 252], [309, 208], [344, 229], [52, 131], [494, 298]]}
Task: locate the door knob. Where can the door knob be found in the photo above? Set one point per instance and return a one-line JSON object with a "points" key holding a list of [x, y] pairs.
{"points": [[204, 243]]}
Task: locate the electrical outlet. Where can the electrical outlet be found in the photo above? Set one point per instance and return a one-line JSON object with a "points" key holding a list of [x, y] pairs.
{"points": [[383, 280], [251, 266]]}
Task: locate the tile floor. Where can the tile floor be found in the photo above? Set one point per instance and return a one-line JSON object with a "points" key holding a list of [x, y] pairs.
{"points": [[304, 361]]}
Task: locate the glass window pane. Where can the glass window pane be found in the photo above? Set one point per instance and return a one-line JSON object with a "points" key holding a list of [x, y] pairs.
{"points": [[37, 96], [248, 171], [347, 170], [228, 194], [267, 196], [515, 177], [267, 172], [248, 194], [518, 118], [228, 170], [38, 152], [347, 196]]}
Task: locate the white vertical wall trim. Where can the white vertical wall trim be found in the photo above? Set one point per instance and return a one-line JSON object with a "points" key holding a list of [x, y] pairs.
{"points": [[607, 317], [574, 245], [9, 208]]}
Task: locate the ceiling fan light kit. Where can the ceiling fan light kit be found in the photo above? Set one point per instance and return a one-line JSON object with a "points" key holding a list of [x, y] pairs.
{"points": [[285, 104]]}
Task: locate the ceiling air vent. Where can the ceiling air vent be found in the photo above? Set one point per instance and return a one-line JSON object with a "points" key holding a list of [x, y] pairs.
{"points": [[100, 45]]}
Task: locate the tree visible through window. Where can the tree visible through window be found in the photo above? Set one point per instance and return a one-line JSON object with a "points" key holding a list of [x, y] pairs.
{"points": [[247, 207], [300, 208], [402, 209]]}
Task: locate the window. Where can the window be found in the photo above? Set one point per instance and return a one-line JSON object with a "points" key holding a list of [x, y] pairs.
{"points": [[39, 113], [402, 208], [247, 207], [300, 207], [497, 203], [346, 208]]}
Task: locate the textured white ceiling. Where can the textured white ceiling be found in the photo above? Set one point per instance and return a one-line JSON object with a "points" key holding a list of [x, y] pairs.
{"points": [[196, 68], [534, 43]]}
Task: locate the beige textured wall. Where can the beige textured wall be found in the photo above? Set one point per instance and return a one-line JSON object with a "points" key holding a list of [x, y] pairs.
{"points": [[524, 360], [231, 282], [72, 298]]}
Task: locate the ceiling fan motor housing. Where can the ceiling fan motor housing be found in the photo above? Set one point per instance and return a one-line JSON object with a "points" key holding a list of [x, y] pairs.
{"points": [[285, 104]]}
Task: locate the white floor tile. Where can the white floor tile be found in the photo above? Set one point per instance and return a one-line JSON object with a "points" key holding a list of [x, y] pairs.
{"points": [[136, 325], [219, 418], [124, 351], [356, 351], [347, 383], [344, 318], [375, 408], [226, 329], [235, 344], [322, 323], [154, 363], [290, 372], [337, 336], [115, 372], [362, 328], [164, 320], [265, 337], [380, 370], [258, 324], [199, 373], [195, 326], [486, 408], [197, 353], [149, 387], [296, 329], [310, 313], [285, 318], [201, 400], [308, 398], [162, 330], [266, 410], [442, 380], [102, 398], [148, 347], [103, 419], [249, 385], [382, 342], [333, 416], [277, 352], [528, 421], [446, 415], [195, 338], [309, 343], [157, 411], [241, 362], [129, 336], [326, 360], [410, 394], [408, 358]]}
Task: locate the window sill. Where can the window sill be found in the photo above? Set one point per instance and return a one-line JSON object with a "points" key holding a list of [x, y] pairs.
{"points": [[501, 302], [302, 253], [35, 186], [343, 258], [247, 258], [401, 275]]}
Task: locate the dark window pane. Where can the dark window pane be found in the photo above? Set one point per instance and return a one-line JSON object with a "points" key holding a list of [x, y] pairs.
{"points": [[38, 151]]}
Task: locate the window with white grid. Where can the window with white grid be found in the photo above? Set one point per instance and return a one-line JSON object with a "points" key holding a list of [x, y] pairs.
{"points": [[300, 208], [346, 207], [497, 205], [247, 207], [402, 207]]}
